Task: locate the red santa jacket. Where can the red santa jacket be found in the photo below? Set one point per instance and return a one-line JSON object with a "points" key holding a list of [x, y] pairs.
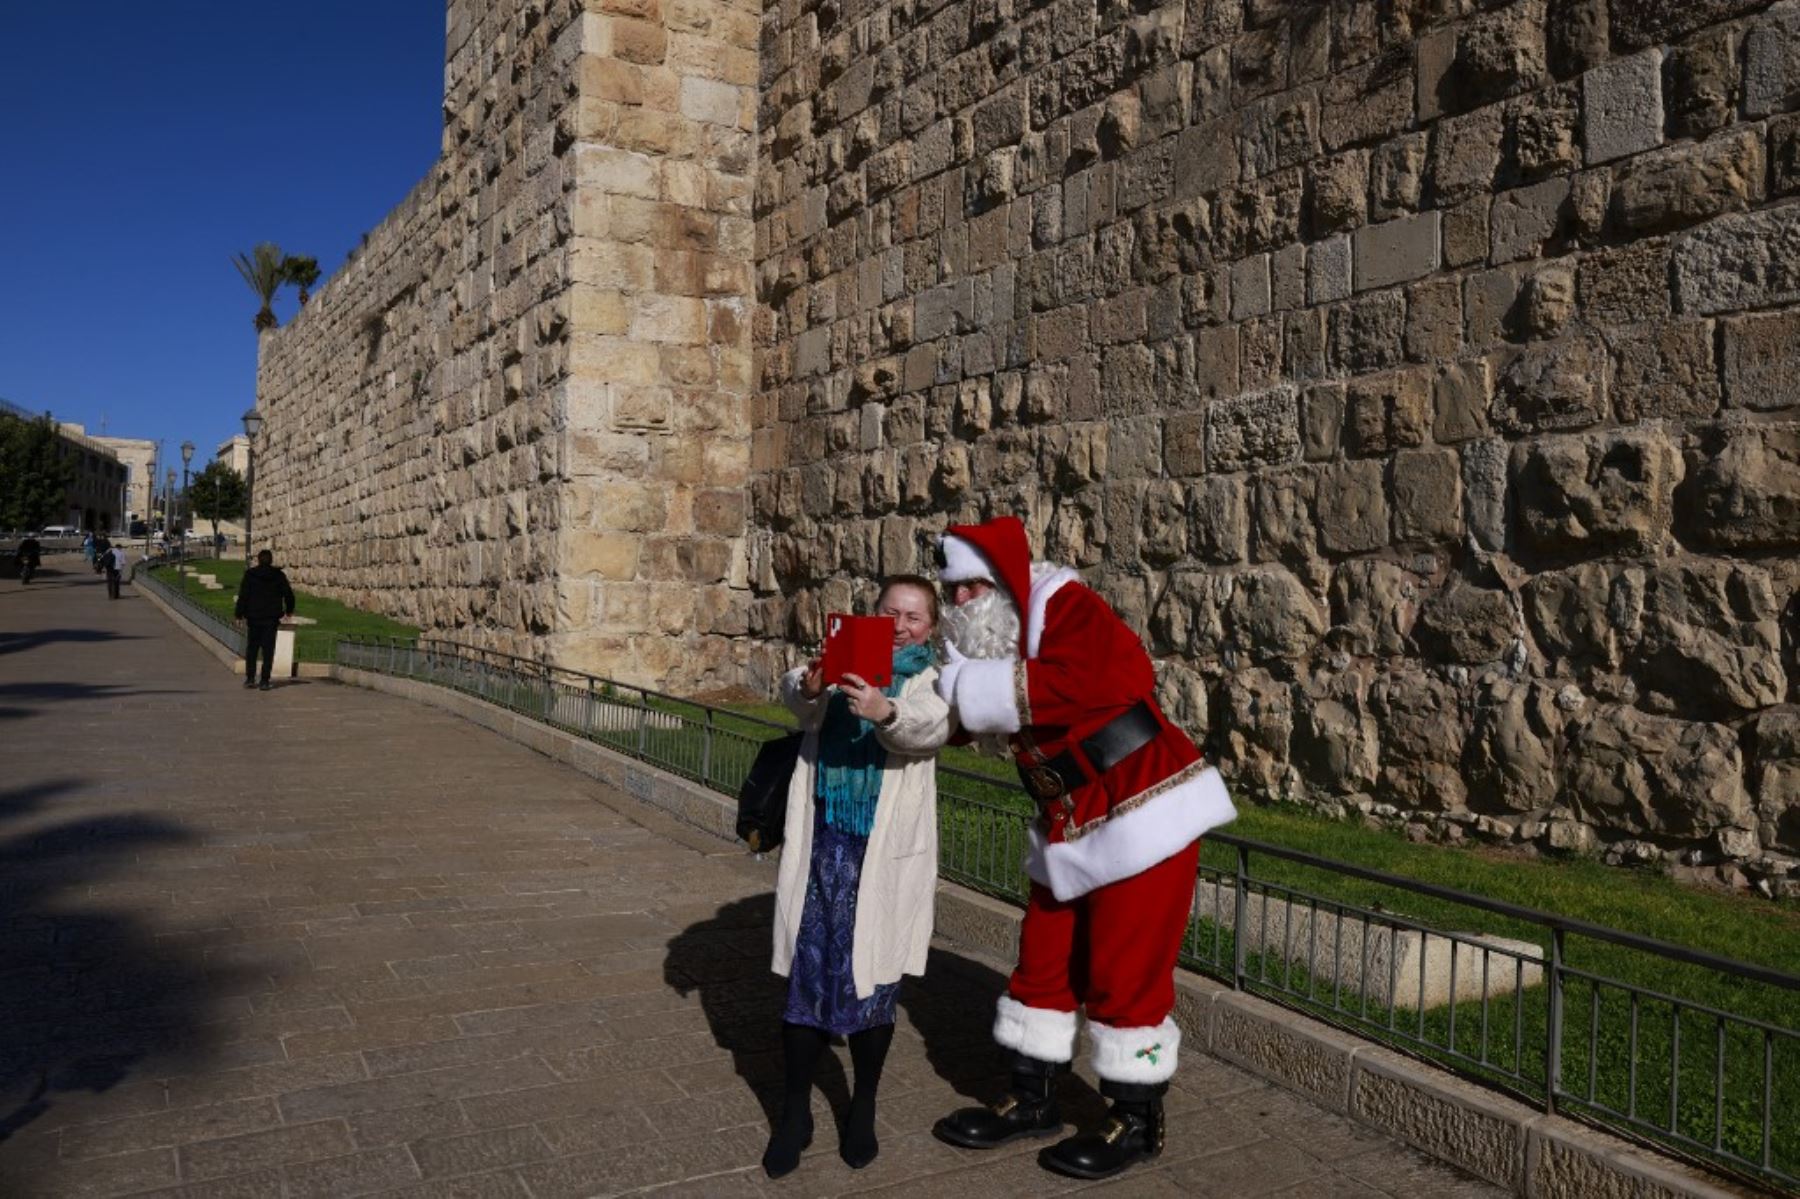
{"points": [[1082, 668]]}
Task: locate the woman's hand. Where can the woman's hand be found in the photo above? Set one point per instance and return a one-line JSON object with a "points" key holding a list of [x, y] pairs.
{"points": [[813, 685], [866, 701]]}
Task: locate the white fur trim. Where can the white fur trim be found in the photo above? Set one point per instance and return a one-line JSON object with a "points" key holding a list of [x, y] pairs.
{"points": [[1042, 1033], [1046, 581], [1137, 1055], [1132, 842], [985, 699], [962, 562]]}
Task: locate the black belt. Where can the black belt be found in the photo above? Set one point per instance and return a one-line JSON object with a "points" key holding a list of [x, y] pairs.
{"points": [[1105, 748]]}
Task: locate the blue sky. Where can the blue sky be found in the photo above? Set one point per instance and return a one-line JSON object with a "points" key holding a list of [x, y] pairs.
{"points": [[141, 145]]}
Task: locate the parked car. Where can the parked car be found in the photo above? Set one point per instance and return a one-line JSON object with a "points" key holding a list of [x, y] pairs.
{"points": [[59, 531]]}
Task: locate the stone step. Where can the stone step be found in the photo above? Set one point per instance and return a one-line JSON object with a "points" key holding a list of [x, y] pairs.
{"points": [[1348, 952]]}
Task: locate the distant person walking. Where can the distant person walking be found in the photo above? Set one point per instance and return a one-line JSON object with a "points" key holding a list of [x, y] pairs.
{"points": [[101, 547], [30, 553], [88, 550], [264, 600], [115, 562]]}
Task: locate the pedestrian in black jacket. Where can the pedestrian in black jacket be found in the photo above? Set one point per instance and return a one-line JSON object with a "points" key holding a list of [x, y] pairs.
{"points": [[264, 599]]}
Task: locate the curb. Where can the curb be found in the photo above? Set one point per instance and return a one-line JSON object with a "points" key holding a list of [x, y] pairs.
{"points": [[1482, 1132]]}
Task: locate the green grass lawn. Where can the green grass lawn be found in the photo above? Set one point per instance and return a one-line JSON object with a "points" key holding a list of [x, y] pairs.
{"points": [[312, 643]]}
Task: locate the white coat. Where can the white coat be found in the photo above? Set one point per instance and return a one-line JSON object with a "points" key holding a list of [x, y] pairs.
{"points": [[894, 900]]}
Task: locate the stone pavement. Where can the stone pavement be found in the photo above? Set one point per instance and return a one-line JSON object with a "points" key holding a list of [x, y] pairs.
{"points": [[326, 942]]}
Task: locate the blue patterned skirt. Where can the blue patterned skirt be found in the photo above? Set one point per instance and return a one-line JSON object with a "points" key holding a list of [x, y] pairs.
{"points": [[821, 992]]}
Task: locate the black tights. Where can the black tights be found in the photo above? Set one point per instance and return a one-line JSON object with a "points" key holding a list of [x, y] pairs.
{"points": [[801, 1048]]}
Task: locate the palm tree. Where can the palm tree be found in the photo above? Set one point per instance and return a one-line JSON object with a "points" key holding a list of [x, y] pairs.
{"points": [[262, 270], [302, 271]]}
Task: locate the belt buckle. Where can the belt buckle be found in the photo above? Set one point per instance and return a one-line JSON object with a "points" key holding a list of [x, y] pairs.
{"points": [[1046, 785]]}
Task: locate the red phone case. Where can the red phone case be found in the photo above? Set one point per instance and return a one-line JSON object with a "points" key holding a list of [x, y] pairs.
{"points": [[859, 645]]}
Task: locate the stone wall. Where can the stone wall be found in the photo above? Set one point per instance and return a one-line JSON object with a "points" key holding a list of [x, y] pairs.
{"points": [[518, 415], [1420, 376]]}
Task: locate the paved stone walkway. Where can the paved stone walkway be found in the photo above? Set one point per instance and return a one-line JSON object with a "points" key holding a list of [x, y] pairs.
{"points": [[325, 942]]}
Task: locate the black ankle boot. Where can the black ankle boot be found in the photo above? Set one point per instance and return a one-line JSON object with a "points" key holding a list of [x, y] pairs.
{"points": [[1028, 1110], [791, 1136], [1133, 1132]]}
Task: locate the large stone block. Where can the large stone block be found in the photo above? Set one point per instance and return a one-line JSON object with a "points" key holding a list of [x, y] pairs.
{"points": [[1710, 637], [1374, 606], [1368, 333], [1337, 742], [1353, 508], [1775, 777], [1422, 730], [1427, 486], [1749, 260], [1772, 61], [1743, 492], [1550, 386], [1271, 615], [1254, 430], [1762, 361], [1684, 185], [1466, 624], [1527, 220], [1665, 371], [1622, 108], [1604, 491], [1639, 23], [1385, 412], [1510, 756], [1397, 251], [1650, 775]]}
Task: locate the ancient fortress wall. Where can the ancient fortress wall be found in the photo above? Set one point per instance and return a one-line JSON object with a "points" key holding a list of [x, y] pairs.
{"points": [[1421, 377], [519, 415]]}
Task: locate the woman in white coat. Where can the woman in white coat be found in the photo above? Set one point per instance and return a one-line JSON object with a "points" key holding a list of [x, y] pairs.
{"points": [[853, 897]]}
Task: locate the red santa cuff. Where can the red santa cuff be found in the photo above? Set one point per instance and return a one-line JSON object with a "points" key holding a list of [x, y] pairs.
{"points": [[987, 695], [1043, 1033], [1136, 1055]]}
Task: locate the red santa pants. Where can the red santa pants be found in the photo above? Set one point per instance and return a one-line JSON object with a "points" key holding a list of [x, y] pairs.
{"points": [[1112, 950]]}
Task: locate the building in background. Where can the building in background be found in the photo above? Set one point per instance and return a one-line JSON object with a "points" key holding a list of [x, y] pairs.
{"points": [[138, 457], [95, 497], [235, 453]]}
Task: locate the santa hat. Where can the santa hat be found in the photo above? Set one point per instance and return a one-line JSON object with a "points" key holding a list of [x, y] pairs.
{"points": [[996, 551]]}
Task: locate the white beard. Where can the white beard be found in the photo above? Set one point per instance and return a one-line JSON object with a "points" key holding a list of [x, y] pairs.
{"points": [[985, 627]]}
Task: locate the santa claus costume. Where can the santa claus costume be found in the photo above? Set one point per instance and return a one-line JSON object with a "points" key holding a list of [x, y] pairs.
{"points": [[1124, 797]]}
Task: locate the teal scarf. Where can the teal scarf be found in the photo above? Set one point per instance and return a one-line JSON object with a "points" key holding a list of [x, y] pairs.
{"points": [[851, 757]]}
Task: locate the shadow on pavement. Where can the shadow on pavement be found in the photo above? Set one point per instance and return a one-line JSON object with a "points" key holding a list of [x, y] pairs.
{"points": [[67, 692], [86, 993], [726, 959], [18, 643]]}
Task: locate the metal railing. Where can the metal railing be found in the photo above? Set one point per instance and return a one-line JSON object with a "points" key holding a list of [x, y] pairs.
{"points": [[1689, 1051], [207, 621]]}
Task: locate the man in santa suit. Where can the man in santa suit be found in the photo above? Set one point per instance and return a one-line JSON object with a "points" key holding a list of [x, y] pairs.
{"points": [[1036, 657]]}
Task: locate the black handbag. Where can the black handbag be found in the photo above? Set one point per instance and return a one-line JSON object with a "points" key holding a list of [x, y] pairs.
{"points": [[762, 800]]}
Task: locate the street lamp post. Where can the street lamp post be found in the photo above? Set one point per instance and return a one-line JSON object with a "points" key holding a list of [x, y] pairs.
{"points": [[168, 506], [253, 423], [187, 516], [149, 502]]}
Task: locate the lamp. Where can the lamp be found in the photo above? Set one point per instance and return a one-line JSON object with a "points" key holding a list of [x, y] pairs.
{"points": [[253, 423], [187, 515]]}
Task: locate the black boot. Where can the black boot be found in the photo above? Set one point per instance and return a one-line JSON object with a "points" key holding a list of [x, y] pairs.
{"points": [[857, 1144], [801, 1048], [1132, 1133], [1028, 1110]]}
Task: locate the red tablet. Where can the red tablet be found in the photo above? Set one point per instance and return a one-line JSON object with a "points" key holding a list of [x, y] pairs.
{"points": [[859, 645]]}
